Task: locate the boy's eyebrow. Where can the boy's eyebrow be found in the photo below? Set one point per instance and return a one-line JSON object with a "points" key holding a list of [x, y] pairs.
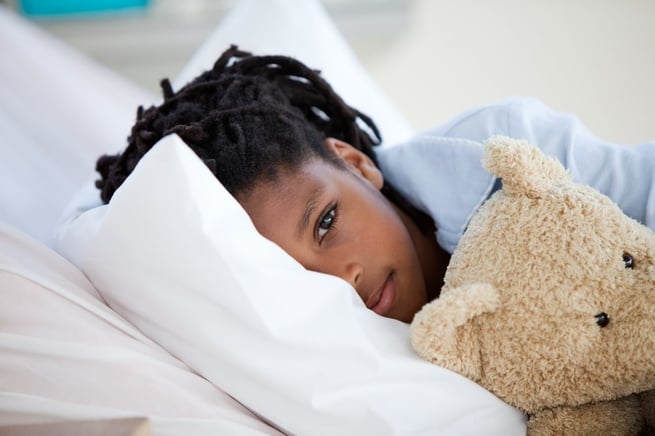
{"points": [[310, 205]]}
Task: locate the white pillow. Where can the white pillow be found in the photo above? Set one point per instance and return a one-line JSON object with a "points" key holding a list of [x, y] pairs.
{"points": [[178, 257], [303, 30]]}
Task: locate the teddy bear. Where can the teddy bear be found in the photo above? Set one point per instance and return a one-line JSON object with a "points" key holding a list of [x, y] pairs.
{"points": [[549, 301]]}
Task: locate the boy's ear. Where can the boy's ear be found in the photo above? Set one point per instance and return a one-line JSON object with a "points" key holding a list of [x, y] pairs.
{"points": [[356, 160]]}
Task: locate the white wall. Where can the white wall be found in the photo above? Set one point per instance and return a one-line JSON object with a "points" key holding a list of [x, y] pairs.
{"points": [[595, 58], [434, 58]]}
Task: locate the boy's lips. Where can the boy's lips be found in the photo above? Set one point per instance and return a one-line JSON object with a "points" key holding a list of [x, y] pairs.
{"points": [[381, 301]]}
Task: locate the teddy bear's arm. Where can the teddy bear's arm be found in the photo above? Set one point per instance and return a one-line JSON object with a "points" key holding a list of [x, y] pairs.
{"points": [[648, 408], [621, 417]]}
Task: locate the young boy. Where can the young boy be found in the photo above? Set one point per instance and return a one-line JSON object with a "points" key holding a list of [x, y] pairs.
{"points": [[301, 163]]}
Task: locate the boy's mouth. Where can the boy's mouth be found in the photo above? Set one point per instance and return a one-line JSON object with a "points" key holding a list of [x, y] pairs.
{"points": [[381, 301]]}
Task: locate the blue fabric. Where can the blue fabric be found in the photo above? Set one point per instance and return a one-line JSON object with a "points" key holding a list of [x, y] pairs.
{"points": [[440, 170]]}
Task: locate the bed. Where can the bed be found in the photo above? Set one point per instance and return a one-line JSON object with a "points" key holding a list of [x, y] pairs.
{"points": [[150, 343]]}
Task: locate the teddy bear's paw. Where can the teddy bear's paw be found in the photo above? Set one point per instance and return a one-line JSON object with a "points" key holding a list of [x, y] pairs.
{"points": [[620, 417], [444, 332]]}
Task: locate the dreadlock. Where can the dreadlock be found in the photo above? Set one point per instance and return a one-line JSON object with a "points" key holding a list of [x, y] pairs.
{"points": [[246, 118]]}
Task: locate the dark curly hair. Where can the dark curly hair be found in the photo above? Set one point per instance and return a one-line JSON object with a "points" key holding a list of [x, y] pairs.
{"points": [[247, 118]]}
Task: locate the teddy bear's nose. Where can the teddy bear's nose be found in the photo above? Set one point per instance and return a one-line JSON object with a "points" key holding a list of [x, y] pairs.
{"points": [[602, 319]]}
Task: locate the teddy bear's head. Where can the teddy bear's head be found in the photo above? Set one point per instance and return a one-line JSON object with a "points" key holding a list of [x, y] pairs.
{"points": [[549, 298]]}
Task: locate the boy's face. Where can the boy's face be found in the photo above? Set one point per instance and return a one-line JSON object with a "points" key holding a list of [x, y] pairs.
{"points": [[335, 220]]}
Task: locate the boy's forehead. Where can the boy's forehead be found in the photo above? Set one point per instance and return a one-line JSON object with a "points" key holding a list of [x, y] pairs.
{"points": [[290, 190], [285, 207], [306, 179]]}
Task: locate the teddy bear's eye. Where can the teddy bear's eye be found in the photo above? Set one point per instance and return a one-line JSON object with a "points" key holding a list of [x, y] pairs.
{"points": [[628, 260], [602, 319]]}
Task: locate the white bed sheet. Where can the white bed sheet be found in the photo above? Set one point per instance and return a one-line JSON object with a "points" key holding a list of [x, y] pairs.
{"points": [[58, 112], [65, 355]]}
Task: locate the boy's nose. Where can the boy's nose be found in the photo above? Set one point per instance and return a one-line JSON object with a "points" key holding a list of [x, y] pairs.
{"points": [[352, 273]]}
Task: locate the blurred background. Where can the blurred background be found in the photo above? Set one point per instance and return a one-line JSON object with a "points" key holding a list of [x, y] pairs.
{"points": [[433, 58]]}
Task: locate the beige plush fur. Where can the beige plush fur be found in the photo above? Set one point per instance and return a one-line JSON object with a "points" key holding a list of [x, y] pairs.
{"points": [[521, 311]]}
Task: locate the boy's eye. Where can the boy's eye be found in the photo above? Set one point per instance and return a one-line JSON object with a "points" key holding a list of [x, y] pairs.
{"points": [[325, 223]]}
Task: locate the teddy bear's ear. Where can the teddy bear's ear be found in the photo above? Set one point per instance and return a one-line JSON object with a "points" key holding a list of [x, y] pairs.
{"points": [[445, 331], [523, 168]]}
